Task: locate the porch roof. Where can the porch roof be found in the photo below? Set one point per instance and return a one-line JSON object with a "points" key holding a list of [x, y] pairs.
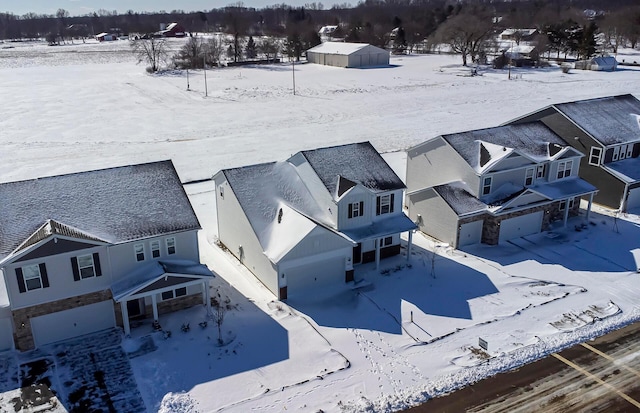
{"points": [[565, 188], [394, 224]]}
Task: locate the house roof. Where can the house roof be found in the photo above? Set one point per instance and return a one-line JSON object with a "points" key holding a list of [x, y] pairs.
{"points": [[564, 188], [356, 162], [605, 61], [481, 148], [114, 205], [459, 198], [610, 120], [52, 227], [341, 48], [628, 170]]}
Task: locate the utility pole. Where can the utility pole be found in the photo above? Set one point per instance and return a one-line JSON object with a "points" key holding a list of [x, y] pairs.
{"points": [[187, 78], [204, 66], [293, 73]]}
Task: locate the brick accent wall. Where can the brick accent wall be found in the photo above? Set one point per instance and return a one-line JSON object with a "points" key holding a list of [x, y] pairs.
{"points": [[23, 335]]}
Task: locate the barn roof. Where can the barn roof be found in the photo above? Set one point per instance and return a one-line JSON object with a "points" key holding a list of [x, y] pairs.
{"points": [[112, 205], [342, 48], [610, 120]]}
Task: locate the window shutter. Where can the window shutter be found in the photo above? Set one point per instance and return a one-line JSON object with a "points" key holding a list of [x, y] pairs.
{"points": [[96, 264], [391, 206], [43, 274], [20, 277], [74, 267], [361, 208], [350, 211], [378, 205]]}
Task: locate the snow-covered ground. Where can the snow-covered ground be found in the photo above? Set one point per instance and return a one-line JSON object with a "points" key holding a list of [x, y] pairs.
{"points": [[411, 330]]}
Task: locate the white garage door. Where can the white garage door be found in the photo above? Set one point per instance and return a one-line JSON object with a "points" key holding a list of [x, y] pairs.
{"points": [[633, 200], [6, 334], [72, 323], [520, 226], [310, 277], [470, 233]]}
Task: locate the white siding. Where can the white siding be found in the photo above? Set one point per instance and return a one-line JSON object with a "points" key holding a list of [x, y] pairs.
{"points": [[6, 334], [633, 199], [520, 226], [315, 272], [470, 233], [356, 195]]}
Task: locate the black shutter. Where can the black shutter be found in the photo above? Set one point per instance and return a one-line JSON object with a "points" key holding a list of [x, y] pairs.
{"points": [[96, 264], [20, 277], [361, 208], [350, 211], [391, 206], [378, 205], [74, 267], [43, 274]]}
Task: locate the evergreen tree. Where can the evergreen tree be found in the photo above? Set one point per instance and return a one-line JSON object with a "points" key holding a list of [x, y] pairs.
{"points": [[251, 50], [399, 42]]}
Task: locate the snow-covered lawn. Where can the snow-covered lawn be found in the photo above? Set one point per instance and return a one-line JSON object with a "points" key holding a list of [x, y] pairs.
{"points": [[402, 334]]}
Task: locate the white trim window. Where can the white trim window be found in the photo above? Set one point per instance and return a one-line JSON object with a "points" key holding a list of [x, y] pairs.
{"points": [[486, 185], [155, 249], [171, 294], [171, 245], [629, 150], [356, 209], [616, 153], [32, 277], [138, 250], [540, 171], [563, 204], [86, 267], [384, 204], [528, 177], [386, 241], [595, 155], [564, 169]]}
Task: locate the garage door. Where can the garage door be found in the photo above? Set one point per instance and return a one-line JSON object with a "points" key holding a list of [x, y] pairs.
{"points": [[6, 334], [633, 200], [310, 277], [72, 323], [470, 233], [520, 226]]}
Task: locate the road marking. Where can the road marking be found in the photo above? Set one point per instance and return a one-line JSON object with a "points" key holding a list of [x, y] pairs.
{"points": [[608, 357], [597, 379]]}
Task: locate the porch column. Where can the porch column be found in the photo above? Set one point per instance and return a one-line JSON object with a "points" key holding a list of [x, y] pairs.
{"points": [[566, 213], [154, 304], [125, 318], [377, 243], [409, 245], [589, 206]]}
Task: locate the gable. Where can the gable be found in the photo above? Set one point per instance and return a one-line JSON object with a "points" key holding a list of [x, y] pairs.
{"points": [[55, 246], [164, 282]]}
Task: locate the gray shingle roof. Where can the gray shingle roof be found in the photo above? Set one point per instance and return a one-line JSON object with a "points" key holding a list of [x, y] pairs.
{"points": [[610, 120], [460, 200], [531, 139], [358, 162], [115, 205]]}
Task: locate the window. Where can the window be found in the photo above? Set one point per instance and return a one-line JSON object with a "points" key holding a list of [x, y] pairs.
{"points": [[528, 177], [616, 153], [486, 185], [595, 155], [178, 292], [85, 266], [139, 250], [32, 277], [540, 171], [563, 204], [221, 191], [171, 246], [629, 150], [155, 249], [386, 241], [356, 209], [564, 169], [384, 204]]}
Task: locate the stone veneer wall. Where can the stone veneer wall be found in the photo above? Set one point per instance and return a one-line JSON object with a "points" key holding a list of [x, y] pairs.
{"points": [[23, 335]]}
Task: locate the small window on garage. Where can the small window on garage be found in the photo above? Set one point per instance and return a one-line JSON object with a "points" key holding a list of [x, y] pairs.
{"points": [[155, 249], [139, 251], [171, 246]]}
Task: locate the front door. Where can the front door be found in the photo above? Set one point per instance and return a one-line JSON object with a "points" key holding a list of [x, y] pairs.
{"points": [[357, 254], [135, 308]]}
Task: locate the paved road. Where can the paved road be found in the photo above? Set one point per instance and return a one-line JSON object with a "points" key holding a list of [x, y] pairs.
{"points": [[602, 375]]}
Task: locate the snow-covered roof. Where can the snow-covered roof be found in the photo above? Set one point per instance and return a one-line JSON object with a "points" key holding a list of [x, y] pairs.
{"points": [[459, 198], [113, 205], [327, 29], [391, 224], [610, 120], [357, 162], [521, 49], [628, 170], [341, 48], [481, 148], [522, 32], [564, 188], [605, 61]]}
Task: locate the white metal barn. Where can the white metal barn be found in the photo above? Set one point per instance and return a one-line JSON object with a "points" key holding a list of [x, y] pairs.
{"points": [[348, 55]]}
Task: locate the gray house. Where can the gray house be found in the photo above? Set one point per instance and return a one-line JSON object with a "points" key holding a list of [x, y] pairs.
{"points": [[302, 224], [492, 185], [88, 251], [607, 131]]}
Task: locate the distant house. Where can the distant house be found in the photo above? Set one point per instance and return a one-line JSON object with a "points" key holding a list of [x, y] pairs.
{"points": [[94, 249], [607, 131], [600, 63], [172, 30], [302, 224], [348, 55], [493, 185], [106, 37], [522, 55], [517, 35], [327, 30]]}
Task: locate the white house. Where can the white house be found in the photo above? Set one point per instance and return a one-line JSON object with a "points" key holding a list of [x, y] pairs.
{"points": [[303, 223], [348, 55], [495, 184], [88, 251]]}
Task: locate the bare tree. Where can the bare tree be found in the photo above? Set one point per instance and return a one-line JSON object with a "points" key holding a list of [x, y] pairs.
{"points": [[153, 51], [214, 50], [191, 55], [218, 318], [466, 33], [270, 48]]}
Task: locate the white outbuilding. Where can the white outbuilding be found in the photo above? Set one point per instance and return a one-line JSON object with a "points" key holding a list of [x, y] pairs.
{"points": [[348, 55]]}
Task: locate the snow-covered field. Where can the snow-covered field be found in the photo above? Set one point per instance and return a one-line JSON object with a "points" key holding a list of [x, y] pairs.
{"points": [[411, 331]]}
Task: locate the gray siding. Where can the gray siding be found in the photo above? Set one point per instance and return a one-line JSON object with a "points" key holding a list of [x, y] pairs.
{"points": [[438, 220]]}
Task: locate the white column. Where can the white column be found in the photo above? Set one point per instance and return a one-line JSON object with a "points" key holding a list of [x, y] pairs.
{"points": [[377, 243], [125, 318], [589, 206], [566, 212], [154, 304], [409, 245]]}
